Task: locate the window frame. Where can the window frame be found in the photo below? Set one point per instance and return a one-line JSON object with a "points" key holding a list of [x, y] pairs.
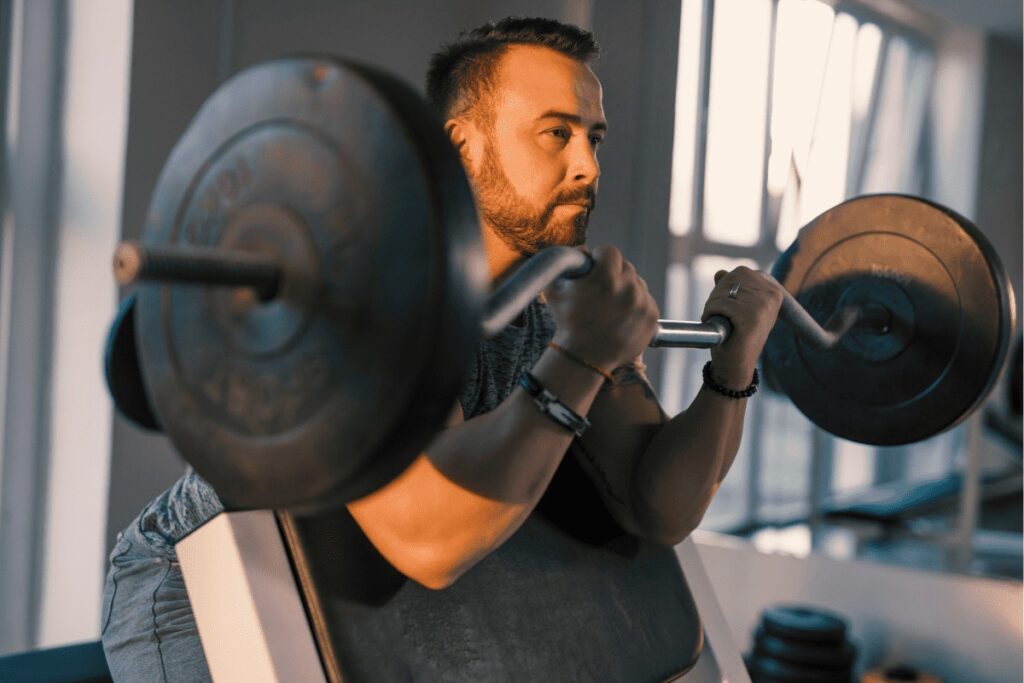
{"points": [[889, 464], [36, 45]]}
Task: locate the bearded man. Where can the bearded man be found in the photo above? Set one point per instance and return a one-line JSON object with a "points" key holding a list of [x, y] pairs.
{"points": [[522, 106]]}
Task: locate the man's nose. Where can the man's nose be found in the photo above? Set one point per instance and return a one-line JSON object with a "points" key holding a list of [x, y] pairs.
{"points": [[584, 167]]}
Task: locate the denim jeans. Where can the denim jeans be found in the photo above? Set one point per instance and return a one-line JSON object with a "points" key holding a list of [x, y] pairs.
{"points": [[149, 631]]}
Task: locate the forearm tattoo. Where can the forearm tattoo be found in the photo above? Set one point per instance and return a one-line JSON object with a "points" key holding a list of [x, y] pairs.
{"points": [[631, 373]]}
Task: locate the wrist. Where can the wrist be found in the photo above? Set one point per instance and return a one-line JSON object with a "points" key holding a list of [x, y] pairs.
{"points": [[714, 385], [592, 354], [579, 359], [733, 376], [553, 407], [573, 383]]}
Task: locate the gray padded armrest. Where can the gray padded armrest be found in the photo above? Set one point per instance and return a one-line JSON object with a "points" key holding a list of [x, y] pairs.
{"points": [[545, 606]]}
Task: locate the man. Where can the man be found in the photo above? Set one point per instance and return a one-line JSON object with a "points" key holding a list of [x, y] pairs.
{"points": [[524, 110]]}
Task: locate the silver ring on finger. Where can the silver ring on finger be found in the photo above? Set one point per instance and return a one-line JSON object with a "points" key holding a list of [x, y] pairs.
{"points": [[735, 290]]}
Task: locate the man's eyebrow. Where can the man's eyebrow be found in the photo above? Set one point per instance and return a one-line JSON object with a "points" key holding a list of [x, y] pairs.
{"points": [[572, 118]]}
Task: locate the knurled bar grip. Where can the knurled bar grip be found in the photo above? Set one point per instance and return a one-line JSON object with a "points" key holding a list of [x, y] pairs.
{"points": [[134, 262]]}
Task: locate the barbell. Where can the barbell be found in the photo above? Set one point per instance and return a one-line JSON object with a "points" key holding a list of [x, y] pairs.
{"points": [[312, 286]]}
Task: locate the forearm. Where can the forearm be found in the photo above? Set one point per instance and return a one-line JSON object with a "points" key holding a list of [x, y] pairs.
{"points": [[680, 470], [477, 483]]}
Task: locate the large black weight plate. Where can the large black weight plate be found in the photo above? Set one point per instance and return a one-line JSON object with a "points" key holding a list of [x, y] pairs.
{"points": [[952, 316], [329, 390]]}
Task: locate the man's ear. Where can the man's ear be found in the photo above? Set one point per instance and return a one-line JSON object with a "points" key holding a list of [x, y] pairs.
{"points": [[461, 134]]}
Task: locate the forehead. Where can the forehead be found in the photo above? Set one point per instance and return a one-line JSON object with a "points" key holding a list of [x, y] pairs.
{"points": [[533, 79]]}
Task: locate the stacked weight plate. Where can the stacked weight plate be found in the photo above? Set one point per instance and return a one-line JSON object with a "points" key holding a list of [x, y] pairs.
{"points": [[795, 644]]}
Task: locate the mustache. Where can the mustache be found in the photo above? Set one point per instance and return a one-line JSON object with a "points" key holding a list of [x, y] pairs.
{"points": [[579, 194]]}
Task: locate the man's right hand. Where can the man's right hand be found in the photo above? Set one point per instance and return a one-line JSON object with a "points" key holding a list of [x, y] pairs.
{"points": [[607, 316]]}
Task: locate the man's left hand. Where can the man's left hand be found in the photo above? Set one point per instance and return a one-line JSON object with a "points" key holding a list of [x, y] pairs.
{"points": [[752, 309]]}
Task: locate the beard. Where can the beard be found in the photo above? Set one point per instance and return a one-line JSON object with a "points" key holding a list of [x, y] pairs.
{"points": [[520, 228]]}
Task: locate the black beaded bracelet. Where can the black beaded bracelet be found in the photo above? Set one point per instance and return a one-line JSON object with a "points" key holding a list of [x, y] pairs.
{"points": [[710, 383]]}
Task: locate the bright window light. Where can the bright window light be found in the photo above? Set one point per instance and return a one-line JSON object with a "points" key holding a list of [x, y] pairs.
{"points": [[893, 164], [733, 181], [845, 116], [680, 211], [869, 42], [801, 45], [825, 183]]}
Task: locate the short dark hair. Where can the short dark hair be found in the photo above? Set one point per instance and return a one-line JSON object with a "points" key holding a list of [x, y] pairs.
{"points": [[462, 72]]}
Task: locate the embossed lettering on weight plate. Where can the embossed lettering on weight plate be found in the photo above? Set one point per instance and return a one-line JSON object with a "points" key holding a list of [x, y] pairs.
{"points": [[887, 273], [269, 401]]}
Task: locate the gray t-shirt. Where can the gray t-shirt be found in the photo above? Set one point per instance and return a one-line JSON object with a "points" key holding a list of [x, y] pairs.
{"points": [[490, 379]]}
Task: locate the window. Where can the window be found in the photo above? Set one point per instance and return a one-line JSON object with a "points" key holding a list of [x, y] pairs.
{"points": [[64, 88], [807, 103]]}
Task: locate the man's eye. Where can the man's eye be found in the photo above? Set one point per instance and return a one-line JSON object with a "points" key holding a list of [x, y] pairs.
{"points": [[560, 133], [596, 140]]}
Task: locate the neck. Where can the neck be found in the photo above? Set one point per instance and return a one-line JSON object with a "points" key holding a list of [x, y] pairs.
{"points": [[501, 258]]}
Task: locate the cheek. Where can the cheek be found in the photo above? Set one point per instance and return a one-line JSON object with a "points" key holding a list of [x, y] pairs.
{"points": [[538, 181], [533, 171]]}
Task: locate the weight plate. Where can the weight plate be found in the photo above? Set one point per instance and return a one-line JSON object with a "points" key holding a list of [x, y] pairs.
{"points": [[829, 654], [951, 315], [331, 388], [121, 369], [808, 624], [767, 669]]}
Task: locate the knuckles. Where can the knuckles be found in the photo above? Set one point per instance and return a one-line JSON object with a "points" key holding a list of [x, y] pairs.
{"points": [[610, 307]]}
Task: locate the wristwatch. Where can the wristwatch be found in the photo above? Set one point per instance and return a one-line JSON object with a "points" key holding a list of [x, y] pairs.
{"points": [[551, 406]]}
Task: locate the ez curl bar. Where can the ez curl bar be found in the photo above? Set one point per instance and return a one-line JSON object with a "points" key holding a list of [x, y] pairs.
{"points": [[300, 335]]}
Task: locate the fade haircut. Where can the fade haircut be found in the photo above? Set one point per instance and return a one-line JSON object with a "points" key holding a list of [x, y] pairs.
{"points": [[462, 73]]}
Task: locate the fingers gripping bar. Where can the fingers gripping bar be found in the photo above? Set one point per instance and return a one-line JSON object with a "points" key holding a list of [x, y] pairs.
{"points": [[553, 263]]}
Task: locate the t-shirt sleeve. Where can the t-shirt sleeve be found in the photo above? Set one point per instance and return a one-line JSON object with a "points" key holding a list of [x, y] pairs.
{"points": [[469, 395]]}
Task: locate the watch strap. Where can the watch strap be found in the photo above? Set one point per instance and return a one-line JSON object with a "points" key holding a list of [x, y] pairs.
{"points": [[550, 405]]}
